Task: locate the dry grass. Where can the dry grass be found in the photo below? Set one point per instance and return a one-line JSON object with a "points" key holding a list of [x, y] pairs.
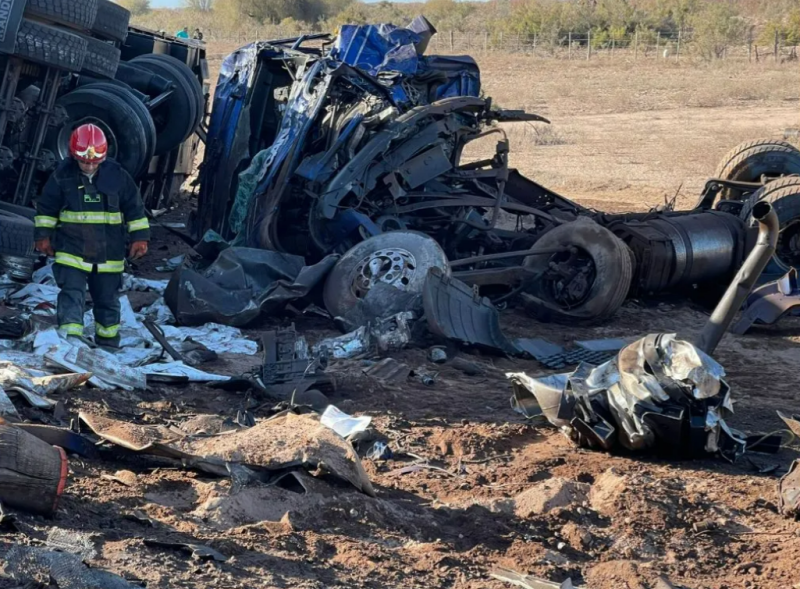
{"points": [[626, 135]]}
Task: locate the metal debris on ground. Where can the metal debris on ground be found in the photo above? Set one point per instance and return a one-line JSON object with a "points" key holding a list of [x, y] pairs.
{"points": [[554, 356], [379, 337], [79, 543], [454, 311], [437, 355], [389, 370], [529, 581], [198, 551], [655, 390], [769, 303], [287, 357], [27, 564]]}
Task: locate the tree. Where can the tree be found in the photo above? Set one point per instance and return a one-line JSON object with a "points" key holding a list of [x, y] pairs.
{"points": [[137, 7], [198, 5], [716, 27]]}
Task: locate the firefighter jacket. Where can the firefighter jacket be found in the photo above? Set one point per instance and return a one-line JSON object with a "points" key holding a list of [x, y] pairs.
{"points": [[89, 221]]}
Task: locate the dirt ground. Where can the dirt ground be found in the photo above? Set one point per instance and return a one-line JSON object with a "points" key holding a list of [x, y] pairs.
{"points": [[622, 138]]}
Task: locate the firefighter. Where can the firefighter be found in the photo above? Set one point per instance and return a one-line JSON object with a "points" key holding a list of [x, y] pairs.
{"points": [[88, 208]]}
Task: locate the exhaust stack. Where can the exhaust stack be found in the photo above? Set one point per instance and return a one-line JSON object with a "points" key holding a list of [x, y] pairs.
{"points": [[742, 284]]}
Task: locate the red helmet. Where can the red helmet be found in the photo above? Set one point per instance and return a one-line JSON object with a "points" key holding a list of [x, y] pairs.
{"points": [[88, 144]]}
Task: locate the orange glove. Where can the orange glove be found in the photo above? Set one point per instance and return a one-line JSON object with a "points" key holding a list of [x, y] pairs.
{"points": [[138, 249], [44, 246]]}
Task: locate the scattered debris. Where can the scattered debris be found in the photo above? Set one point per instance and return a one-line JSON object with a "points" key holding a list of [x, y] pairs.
{"points": [[454, 311], [241, 285], [389, 370], [79, 543], [343, 424], [655, 389], [198, 551], [528, 581], [437, 355], [768, 303], [38, 565], [385, 335], [287, 357], [557, 357]]}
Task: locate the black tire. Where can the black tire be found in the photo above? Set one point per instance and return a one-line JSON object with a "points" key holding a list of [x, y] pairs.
{"points": [[26, 212], [139, 108], [344, 288], [784, 196], [188, 75], [16, 235], [50, 46], [102, 58], [111, 21], [78, 14], [175, 120], [127, 140], [613, 274], [750, 161]]}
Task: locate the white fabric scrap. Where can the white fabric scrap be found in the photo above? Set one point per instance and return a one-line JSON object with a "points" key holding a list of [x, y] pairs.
{"points": [[343, 424]]}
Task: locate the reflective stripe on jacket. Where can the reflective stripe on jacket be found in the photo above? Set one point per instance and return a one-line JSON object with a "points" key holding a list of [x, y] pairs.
{"points": [[90, 221]]}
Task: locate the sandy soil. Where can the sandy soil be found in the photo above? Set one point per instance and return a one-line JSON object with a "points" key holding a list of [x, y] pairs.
{"points": [[620, 521]]}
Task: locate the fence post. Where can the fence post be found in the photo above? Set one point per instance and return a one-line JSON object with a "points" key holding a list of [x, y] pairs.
{"points": [[451, 40], [776, 45], [534, 44], [658, 43], [485, 42], [636, 46], [678, 47], [613, 46], [589, 45], [569, 53]]}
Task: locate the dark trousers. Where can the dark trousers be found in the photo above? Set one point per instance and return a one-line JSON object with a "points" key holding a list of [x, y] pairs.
{"points": [[104, 288]]}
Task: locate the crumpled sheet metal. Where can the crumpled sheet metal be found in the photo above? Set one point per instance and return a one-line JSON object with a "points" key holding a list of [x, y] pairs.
{"points": [[36, 388], [27, 564], [789, 491], [287, 441], [455, 312], [282, 442], [659, 394], [241, 285]]}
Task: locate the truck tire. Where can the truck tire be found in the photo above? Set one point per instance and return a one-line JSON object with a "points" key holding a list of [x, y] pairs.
{"points": [[186, 72], [111, 21], [27, 212], [175, 119], [784, 196], [613, 274], [16, 235], [102, 58], [750, 161], [77, 14], [127, 139], [50, 46], [138, 107]]}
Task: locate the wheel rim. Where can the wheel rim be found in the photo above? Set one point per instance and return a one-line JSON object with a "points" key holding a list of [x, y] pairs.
{"points": [[395, 266], [65, 134], [788, 249], [569, 278]]}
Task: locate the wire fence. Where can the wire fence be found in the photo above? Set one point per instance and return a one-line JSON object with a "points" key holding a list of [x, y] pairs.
{"points": [[649, 45]]}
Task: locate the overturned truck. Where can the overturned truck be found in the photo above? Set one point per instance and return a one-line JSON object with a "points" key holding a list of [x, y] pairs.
{"points": [[317, 143], [69, 62]]}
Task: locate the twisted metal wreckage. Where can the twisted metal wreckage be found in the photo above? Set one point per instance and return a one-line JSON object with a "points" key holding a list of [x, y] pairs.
{"points": [[313, 149]]}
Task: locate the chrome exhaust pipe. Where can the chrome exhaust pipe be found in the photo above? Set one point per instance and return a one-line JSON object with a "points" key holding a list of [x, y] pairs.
{"points": [[742, 284]]}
